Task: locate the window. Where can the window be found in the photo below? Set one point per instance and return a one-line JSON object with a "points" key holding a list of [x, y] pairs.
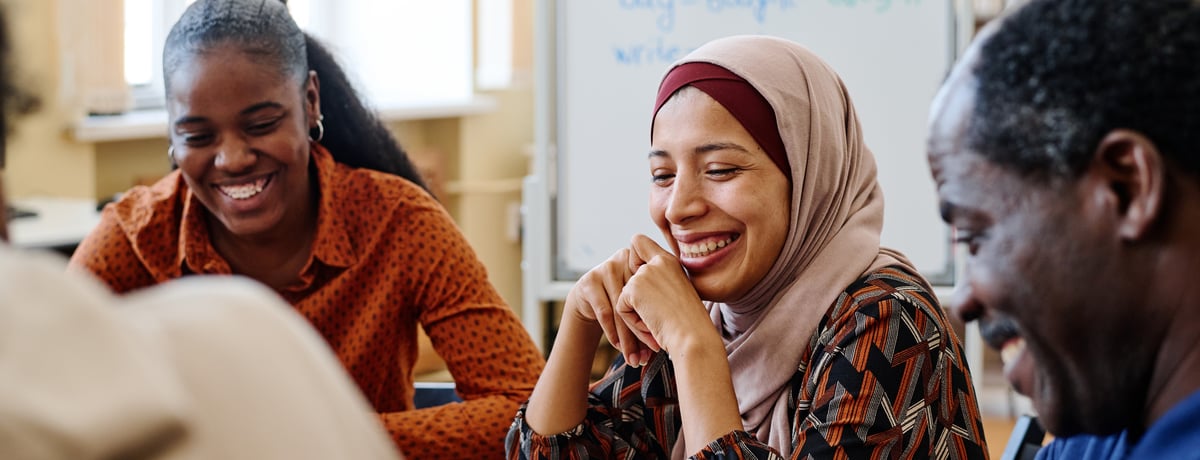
{"points": [[400, 52], [146, 25], [494, 60], [397, 52]]}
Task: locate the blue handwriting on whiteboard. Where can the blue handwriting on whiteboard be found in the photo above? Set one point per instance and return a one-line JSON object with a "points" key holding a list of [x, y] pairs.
{"points": [[656, 53], [880, 5], [665, 11], [664, 8], [758, 7]]}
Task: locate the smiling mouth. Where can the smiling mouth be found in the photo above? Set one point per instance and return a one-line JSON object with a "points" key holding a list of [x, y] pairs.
{"points": [[246, 190], [1011, 350], [704, 248]]}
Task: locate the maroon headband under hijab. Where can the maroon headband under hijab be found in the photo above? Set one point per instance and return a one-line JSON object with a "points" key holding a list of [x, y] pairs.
{"points": [[745, 103]]}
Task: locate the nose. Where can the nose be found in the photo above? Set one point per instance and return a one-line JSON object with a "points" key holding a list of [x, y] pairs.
{"points": [[235, 155], [964, 304], [686, 201]]}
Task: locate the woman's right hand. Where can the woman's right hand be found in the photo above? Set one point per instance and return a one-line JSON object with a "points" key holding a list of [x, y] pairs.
{"points": [[592, 298]]}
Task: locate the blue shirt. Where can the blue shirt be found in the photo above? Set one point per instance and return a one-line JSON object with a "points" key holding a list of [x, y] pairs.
{"points": [[1086, 446], [1174, 436]]}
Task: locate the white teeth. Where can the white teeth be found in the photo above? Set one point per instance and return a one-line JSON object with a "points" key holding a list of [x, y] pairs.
{"points": [[703, 248], [1012, 349], [243, 191]]}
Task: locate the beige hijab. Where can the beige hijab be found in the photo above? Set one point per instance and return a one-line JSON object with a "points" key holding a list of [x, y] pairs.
{"points": [[833, 238]]}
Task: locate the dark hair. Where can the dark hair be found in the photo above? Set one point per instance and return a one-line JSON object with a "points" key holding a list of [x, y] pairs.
{"points": [[265, 29], [1058, 75]]}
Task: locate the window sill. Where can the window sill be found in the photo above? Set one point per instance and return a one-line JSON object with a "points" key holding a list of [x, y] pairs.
{"points": [[151, 124]]}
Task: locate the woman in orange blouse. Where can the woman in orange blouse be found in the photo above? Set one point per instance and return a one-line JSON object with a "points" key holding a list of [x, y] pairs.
{"points": [[776, 326], [283, 176]]}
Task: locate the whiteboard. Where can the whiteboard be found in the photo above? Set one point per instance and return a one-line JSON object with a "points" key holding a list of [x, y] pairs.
{"points": [[610, 55]]}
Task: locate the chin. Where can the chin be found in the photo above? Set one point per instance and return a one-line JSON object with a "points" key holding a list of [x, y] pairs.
{"points": [[1064, 416], [247, 227], [714, 295], [709, 294]]}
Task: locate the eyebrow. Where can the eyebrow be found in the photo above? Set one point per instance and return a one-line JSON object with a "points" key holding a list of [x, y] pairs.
{"points": [[706, 148], [246, 111]]}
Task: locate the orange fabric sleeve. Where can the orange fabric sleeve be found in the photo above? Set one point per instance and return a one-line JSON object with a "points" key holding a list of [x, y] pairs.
{"points": [[107, 254], [494, 362]]}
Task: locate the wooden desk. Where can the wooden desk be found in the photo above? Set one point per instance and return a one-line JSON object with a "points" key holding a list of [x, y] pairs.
{"points": [[60, 223]]}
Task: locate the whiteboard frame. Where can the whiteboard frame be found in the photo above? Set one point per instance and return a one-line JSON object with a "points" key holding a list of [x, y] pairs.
{"points": [[542, 283]]}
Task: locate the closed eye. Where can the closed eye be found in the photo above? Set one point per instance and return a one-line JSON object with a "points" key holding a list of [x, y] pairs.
{"points": [[197, 139], [969, 238], [722, 173], [266, 127]]}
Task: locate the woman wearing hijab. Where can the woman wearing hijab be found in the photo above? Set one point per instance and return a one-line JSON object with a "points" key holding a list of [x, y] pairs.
{"points": [[775, 327]]}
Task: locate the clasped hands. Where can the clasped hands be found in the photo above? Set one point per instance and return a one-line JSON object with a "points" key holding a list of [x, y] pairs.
{"points": [[643, 301]]}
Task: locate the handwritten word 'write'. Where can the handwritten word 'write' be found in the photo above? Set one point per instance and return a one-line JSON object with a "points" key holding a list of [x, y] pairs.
{"points": [[656, 53]]}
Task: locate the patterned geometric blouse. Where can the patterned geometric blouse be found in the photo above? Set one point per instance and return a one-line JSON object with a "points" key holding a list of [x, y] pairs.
{"points": [[886, 379]]}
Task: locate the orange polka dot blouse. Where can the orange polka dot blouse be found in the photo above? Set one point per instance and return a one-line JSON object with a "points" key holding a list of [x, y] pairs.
{"points": [[386, 257]]}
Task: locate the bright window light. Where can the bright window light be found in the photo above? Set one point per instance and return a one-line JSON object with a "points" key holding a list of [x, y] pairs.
{"points": [[398, 52], [495, 43], [139, 42]]}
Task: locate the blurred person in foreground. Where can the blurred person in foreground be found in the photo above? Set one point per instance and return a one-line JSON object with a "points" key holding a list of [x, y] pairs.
{"points": [[198, 368]]}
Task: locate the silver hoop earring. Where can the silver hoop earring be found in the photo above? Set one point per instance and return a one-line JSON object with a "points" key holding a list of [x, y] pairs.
{"points": [[320, 129], [171, 152]]}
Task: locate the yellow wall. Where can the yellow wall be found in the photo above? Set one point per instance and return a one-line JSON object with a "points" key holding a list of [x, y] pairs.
{"points": [[483, 149], [42, 159]]}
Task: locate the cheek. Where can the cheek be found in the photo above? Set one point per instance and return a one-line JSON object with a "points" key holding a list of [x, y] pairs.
{"points": [[1006, 276], [658, 214], [778, 206], [284, 145], [193, 164], [657, 206]]}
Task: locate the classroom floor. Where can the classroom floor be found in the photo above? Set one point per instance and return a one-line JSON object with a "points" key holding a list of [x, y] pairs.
{"points": [[997, 429]]}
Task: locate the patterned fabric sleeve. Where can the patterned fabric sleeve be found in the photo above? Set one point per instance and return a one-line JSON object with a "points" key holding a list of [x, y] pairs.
{"points": [[630, 413], [887, 379], [737, 445], [108, 254]]}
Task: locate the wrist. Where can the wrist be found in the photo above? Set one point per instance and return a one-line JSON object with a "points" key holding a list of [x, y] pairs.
{"points": [[572, 325], [701, 344], [707, 401]]}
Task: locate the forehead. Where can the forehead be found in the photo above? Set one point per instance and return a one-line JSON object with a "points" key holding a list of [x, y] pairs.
{"points": [[690, 112], [226, 70], [965, 179], [950, 116]]}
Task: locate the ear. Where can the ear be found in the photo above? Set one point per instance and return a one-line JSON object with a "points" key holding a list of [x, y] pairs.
{"points": [[1132, 180], [312, 98]]}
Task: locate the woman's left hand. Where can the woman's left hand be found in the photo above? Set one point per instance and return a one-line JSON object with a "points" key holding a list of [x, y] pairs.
{"points": [[659, 302]]}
